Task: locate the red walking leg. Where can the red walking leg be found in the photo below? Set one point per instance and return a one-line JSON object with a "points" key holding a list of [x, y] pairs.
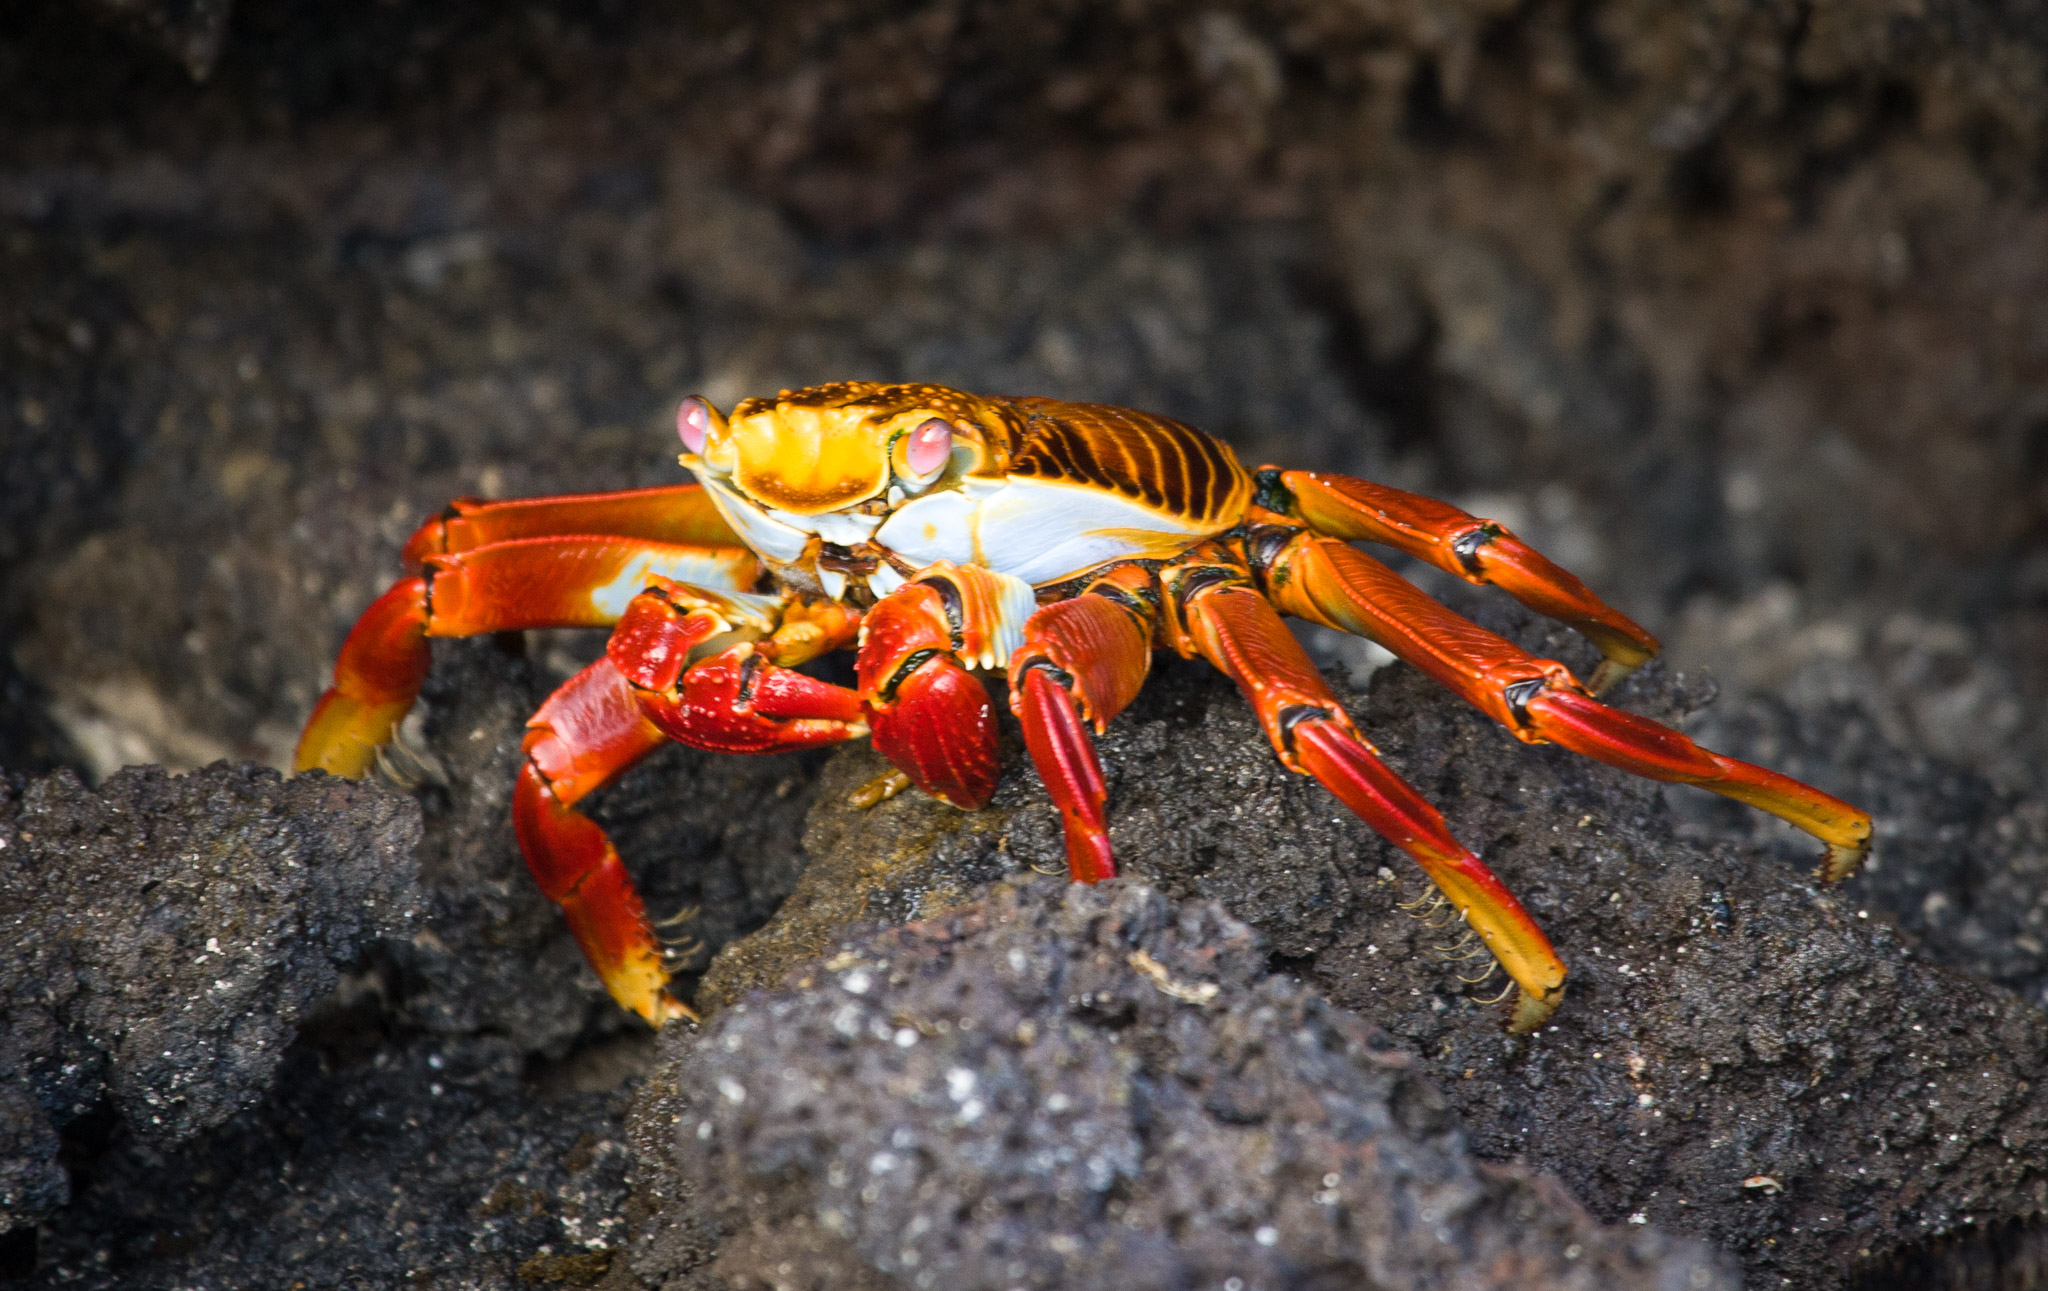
{"points": [[651, 686], [1082, 661], [1234, 627], [576, 581], [588, 732], [1325, 581], [1478, 551]]}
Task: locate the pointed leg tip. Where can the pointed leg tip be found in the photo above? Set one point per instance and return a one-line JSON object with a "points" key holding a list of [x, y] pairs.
{"points": [[1532, 1011], [661, 1008], [344, 735], [671, 1009], [350, 761], [1610, 673], [1844, 859], [1089, 859]]}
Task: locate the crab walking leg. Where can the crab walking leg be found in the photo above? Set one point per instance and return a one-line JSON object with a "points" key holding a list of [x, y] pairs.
{"points": [[561, 582], [587, 732], [1325, 581], [643, 692], [377, 675], [1478, 551], [1237, 630], [931, 717], [674, 513], [1082, 661]]}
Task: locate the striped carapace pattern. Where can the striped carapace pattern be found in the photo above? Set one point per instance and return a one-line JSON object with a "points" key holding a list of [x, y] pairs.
{"points": [[1156, 461]]}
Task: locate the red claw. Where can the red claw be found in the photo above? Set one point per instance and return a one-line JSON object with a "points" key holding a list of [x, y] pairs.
{"points": [[930, 717], [653, 640], [940, 728], [738, 702]]}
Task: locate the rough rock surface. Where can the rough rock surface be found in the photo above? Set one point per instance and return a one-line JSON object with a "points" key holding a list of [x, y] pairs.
{"points": [[378, 1160], [472, 1064], [1079, 1087], [164, 938], [1962, 861], [1726, 1021]]}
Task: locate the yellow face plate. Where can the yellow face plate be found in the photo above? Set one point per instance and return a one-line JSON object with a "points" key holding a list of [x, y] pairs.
{"points": [[808, 461], [834, 447]]}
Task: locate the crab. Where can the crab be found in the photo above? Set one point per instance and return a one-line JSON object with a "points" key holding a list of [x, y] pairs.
{"points": [[943, 535]]}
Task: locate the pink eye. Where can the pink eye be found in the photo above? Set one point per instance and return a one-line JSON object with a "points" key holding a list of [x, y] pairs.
{"points": [[929, 447], [693, 423]]}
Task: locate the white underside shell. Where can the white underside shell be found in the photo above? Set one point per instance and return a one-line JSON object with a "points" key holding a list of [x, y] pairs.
{"points": [[1035, 530], [770, 537], [845, 530], [884, 581], [929, 530]]}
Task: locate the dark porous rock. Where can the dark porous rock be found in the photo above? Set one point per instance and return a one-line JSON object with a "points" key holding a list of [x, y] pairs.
{"points": [[1740, 1054], [375, 1161], [32, 1181], [1077, 1087], [1961, 860], [161, 939]]}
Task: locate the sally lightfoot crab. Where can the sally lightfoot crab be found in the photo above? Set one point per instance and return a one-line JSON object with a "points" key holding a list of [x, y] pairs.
{"points": [[943, 534]]}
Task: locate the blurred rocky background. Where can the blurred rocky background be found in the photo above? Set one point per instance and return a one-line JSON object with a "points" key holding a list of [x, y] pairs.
{"points": [[1731, 307]]}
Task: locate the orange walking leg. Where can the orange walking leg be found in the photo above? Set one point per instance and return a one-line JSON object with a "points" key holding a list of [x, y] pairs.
{"points": [[377, 676], [1327, 582], [1478, 551], [576, 581], [1235, 628], [587, 732], [676, 513], [1082, 661]]}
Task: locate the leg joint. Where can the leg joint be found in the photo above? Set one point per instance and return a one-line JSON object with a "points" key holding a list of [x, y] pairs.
{"points": [[1140, 601], [1271, 492], [911, 663], [1039, 663], [1519, 693], [1193, 580], [1265, 544], [1294, 715], [1467, 544]]}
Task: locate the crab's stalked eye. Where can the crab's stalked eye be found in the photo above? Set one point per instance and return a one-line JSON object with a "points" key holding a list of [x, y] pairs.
{"points": [[926, 449], [693, 422]]}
